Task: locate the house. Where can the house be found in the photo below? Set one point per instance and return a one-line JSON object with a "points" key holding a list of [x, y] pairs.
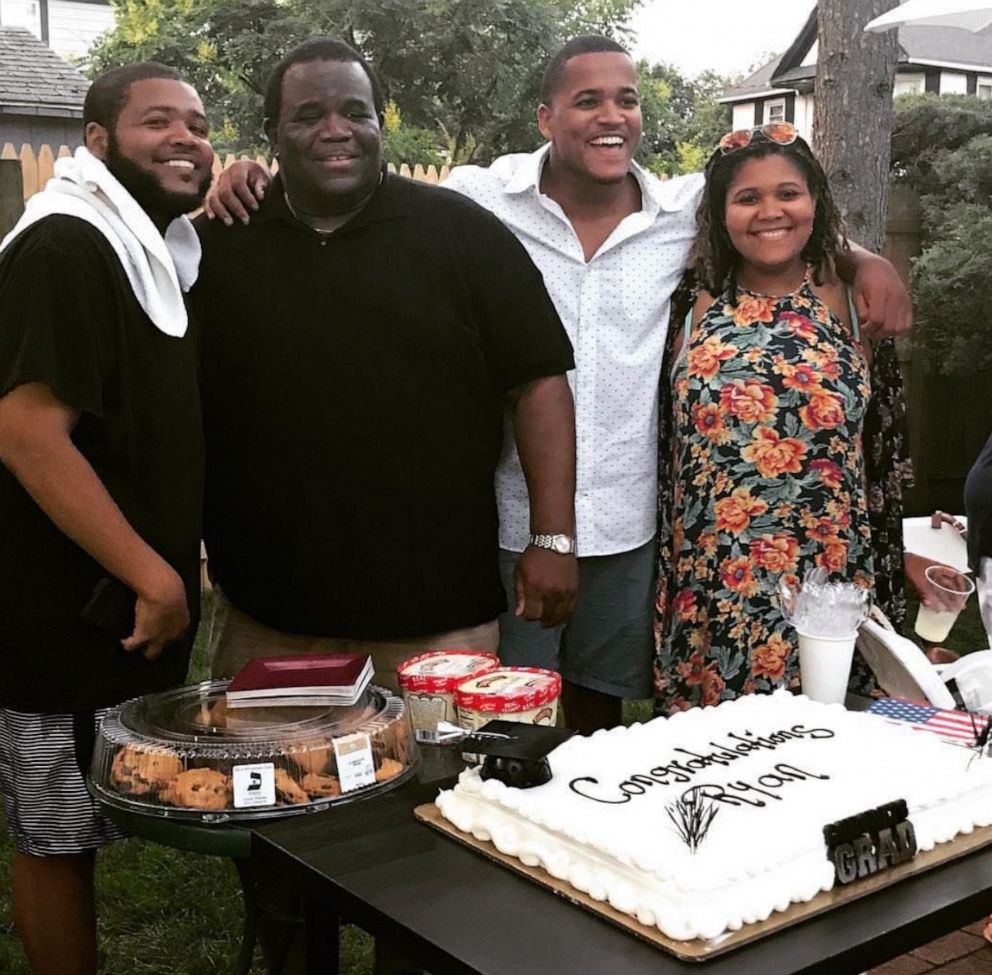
{"points": [[942, 60], [68, 27], [41, 96]]}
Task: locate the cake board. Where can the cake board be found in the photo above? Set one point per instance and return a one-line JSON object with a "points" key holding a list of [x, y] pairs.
{"points": [[701, 950]]}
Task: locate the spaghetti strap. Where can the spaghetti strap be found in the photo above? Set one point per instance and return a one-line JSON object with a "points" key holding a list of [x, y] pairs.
{"points": [[852, 311]]}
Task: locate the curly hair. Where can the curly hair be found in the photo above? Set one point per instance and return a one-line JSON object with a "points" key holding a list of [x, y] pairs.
{"points": [[714, 261]]}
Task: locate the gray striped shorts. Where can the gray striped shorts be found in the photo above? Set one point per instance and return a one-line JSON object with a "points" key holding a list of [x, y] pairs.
{"points": [[48, 809]]}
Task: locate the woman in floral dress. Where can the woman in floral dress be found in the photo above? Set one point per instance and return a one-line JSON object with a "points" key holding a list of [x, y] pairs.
{"points": [[769, 392]]}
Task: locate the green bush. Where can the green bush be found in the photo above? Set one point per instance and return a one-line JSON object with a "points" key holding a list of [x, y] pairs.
{"points": [[942, 147]]}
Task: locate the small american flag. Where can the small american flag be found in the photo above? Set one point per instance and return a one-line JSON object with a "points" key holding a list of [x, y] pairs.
{"points": [[957, 726]]}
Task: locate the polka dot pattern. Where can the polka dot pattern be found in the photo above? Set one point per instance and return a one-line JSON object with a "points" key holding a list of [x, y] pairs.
{"points": [[615, 309]]}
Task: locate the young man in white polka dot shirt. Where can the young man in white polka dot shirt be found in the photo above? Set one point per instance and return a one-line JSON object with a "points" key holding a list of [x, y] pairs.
{"points": [[611, 242]]}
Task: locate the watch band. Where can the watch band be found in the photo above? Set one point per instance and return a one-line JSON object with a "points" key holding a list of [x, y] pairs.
{"points": [[562, 544]]}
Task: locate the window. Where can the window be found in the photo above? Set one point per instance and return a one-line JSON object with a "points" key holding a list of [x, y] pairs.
{"points": [[775, 110], [984, 89], [910, 84], [953, 83]]}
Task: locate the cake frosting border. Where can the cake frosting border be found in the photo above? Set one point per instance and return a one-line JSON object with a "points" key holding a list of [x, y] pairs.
{"points": [[656, 896]]}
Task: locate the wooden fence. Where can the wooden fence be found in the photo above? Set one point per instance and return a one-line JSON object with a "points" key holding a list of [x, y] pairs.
{"points": [[37, 167]]}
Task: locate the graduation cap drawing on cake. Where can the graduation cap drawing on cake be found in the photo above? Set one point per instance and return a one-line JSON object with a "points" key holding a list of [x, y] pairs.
{"points": [[514, 753]]}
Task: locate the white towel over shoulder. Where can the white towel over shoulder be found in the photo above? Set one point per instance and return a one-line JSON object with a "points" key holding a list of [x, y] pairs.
{"points": [[159, 268]]}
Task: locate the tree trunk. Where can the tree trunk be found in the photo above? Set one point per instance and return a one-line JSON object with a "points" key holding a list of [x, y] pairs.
{"points": [[855, 72]]}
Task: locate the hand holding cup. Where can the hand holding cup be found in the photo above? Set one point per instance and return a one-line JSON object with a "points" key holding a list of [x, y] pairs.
{"points": [[941, 600]]}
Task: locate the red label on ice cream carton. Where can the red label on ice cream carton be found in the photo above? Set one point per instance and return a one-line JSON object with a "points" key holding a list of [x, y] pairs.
{"points": [[442, 671], [509, 690]]}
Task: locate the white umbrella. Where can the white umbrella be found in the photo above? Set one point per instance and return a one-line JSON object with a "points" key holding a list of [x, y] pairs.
{"points": [[970, 15]]}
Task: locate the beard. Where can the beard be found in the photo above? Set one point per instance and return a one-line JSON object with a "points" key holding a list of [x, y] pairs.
{"points": [[147, 191]]}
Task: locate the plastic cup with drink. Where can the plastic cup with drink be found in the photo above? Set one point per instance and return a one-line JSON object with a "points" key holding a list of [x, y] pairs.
{"points": [[934, 623]]}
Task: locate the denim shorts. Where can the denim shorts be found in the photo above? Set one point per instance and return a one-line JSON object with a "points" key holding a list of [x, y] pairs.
{"points": [[609, 644]]}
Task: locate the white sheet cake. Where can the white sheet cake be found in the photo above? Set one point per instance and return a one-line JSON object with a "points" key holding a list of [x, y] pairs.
{"points": [[777, 768]]}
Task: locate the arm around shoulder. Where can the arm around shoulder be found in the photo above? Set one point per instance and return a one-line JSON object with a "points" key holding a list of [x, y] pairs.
{"points": [[881, 299], [237, 192]]}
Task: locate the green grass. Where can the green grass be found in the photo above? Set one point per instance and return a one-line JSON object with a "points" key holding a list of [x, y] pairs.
{"points": [[163, 912]]}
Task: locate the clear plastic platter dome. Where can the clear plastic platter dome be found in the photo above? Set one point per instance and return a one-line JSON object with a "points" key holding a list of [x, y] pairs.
{"points": [[184, 753]]}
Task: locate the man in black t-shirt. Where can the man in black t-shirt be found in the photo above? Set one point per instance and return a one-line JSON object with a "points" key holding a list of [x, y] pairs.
{"points": [[364, 339], [101, 483]]}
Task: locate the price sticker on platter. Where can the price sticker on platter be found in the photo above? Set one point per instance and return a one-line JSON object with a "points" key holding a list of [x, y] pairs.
{"points": [[356, 767], [254, 785]]}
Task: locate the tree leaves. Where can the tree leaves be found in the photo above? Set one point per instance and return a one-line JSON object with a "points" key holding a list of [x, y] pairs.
{"points": [[942, 146], [467, 72], [463, 75], [953, 291], [683, 120]]}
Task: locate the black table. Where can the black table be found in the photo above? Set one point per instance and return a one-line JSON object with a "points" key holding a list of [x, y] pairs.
{"points": [[453, 911]]}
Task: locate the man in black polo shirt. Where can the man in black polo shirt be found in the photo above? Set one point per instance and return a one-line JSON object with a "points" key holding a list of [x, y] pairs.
{"points": [[362, 338], [101, 483]]}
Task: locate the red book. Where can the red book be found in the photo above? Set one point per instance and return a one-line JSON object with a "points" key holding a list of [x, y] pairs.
{"points": [[329, 679]]}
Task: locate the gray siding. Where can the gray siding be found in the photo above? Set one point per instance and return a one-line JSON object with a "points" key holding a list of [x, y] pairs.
{"points": [[38, 131]]}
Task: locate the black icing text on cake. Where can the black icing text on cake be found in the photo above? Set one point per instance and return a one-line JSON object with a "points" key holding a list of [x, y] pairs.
{"points": [[682, 771]]}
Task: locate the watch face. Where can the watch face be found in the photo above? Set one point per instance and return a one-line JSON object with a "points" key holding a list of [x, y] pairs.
{"points": [[562, 544]]}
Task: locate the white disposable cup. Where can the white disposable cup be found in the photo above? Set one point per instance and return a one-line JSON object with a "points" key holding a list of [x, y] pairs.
{"points": [[934, 625], [825, 666]]}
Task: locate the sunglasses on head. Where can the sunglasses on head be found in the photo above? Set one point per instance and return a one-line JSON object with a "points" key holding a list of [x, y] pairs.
{"points": [[781, 133]]}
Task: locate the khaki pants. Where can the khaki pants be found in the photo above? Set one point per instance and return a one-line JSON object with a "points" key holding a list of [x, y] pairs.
{"points": [[236, 638]]}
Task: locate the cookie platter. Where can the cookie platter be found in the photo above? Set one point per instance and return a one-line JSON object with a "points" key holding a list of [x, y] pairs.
{"points": [[183, 753]]}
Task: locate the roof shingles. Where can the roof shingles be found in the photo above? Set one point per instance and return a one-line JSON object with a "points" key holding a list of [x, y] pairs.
{"points": [[32, 74], [931, 45], [948, 45]]}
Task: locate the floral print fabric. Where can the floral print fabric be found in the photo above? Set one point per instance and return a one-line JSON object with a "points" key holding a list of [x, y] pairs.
{"points": [[888, 473], [767, 480]]}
